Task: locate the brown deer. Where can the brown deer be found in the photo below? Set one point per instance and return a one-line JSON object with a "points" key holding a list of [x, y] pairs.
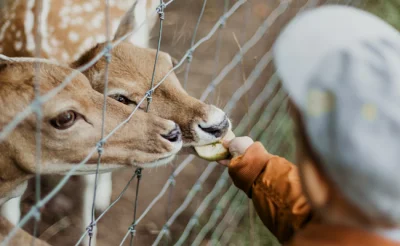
{"points": [[71, 127], [130, 74]]}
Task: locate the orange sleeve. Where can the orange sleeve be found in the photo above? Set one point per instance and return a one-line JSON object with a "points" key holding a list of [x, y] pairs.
{"points": [[273, 183]]}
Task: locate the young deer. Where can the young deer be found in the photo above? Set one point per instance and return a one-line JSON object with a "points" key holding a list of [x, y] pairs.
{"points": [[71, 127], [130, 74]]}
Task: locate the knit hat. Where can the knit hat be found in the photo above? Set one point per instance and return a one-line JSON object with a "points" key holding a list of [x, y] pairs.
{"points": [[341, 67]]}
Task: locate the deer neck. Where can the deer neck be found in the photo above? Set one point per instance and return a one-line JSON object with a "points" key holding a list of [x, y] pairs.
{"points": [[13, 180]]}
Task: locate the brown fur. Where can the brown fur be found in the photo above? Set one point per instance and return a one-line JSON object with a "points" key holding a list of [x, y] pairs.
{"points": [[131, 67], [129, 71], [20, 238], [139, 141], [62, 19]]}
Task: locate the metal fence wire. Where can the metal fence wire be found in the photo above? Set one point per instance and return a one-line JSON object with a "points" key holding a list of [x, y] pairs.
{"points": [[218, 215]]}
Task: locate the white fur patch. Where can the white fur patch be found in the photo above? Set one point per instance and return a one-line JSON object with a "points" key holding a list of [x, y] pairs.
{"points": [[28, 25], [43, 26], [87, 7], [97, 20], [18, 45], [73, 36], [11, 210]]}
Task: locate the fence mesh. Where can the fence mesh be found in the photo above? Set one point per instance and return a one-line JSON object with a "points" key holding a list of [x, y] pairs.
{"points": [[217, 213]]}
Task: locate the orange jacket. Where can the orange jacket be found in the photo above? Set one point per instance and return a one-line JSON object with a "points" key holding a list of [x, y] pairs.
{"points": [[273, 183]]}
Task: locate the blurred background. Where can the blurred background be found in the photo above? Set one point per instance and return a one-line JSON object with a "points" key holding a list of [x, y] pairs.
{"points": [[257, 107]]}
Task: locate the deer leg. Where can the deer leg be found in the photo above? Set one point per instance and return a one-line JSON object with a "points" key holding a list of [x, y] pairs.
{"points": [[87, 207]]}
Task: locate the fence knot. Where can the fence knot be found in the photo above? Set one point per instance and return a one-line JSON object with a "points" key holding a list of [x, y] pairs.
{"points": [[132, 229], [165, 230], [99, 147], [160, 11], [223, 21], [138, 173], [195, 220], [107, 53], [148, 95], [36, 106], [190, 55], [172, 180], [90, 228], [36, 212], [197, 186]]}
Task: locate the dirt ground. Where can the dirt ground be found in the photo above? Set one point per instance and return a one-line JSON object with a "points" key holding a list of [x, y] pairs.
{"points": [[61, 222]]}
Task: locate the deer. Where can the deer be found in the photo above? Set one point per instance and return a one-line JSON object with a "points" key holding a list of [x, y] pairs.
{"points": [[130, 72], [71, 126]]}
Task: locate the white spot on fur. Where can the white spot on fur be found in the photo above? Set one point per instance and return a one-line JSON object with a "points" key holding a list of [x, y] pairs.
{"points": [[87, 43], [28, 24], [65, 56], [54, 42], [75, 57], [18, 34], [100, 38], [18, 45], [76, 9], [77, 21], [97, 21], [87, 7], [73, 36], [65, 17], [43, 27]]}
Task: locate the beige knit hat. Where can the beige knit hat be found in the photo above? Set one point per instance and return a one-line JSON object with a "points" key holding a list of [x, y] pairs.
{"points": [[341, 67]]}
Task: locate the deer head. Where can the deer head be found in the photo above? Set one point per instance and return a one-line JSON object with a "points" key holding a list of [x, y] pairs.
{"points": [[130, 73], [71, 126]]}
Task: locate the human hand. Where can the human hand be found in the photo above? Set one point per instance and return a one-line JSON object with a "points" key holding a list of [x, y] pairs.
{"points": [[236, 147]]}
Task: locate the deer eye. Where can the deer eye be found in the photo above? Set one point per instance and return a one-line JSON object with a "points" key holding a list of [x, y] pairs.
{"points": [[64, 120], [122, 99]]}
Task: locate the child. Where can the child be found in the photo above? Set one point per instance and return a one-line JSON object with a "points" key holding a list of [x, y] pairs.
{"points": [[341, 68]]}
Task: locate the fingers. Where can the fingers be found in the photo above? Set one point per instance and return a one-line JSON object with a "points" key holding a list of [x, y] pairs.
{"points": [[224, 162], [239, 145], [226, 143], [236, 147]]}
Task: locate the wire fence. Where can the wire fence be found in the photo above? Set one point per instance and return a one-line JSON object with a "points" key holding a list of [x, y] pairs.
{"points": [[272, 128]]}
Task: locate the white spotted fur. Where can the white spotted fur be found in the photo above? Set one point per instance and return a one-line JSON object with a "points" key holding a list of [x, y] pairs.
{"points": [[11, 209]]}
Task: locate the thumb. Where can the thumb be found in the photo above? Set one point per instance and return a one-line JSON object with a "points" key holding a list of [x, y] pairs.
{"points": [[226, 143]]}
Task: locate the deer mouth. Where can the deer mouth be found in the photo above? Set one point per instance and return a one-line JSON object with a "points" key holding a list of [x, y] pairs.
{"points": [[210, 129]]}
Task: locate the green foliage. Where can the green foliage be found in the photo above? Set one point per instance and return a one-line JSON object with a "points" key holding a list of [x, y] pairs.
{"points": [[389, 10]]}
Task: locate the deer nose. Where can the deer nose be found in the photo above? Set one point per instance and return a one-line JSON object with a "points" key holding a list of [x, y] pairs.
{"points": [[217, 130], [174, 136]]}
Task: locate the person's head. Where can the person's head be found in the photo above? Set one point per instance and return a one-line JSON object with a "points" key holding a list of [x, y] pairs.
{"points": [[341, 68]]}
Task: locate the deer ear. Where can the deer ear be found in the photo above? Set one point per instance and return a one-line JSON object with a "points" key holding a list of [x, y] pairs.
{"points": [[137, 23], [175, 61], [127, 23]]}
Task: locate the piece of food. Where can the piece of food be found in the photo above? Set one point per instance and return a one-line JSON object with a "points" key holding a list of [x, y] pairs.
{"points": [[215, 151]]}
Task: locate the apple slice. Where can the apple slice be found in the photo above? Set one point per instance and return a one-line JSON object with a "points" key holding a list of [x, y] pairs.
{"points": [[215, 151]]}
